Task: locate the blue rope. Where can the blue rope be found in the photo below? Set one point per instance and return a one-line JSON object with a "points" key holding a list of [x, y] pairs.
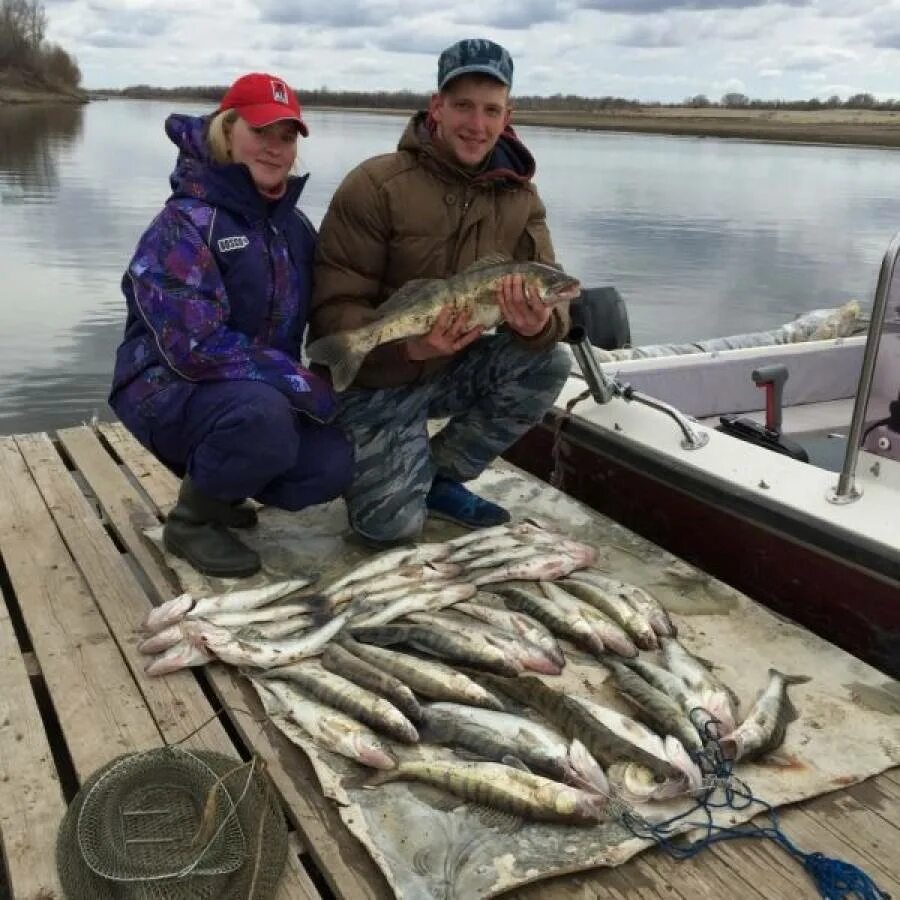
{"points": [[834, 879]]}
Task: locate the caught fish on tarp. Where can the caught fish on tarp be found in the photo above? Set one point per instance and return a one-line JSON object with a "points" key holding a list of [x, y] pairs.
{"points": [[505, 788], [263, 654], [465, 649], [617, 607], [342, 694], [335, 731], [413, 309], [574, 721], [676, 775], [417, 601], [429, 678], [498, 736], [336, 658], [764, 728], [721, 701], [528, 656], [657, 708], [640, 598], [611, 635], [526, 627]]}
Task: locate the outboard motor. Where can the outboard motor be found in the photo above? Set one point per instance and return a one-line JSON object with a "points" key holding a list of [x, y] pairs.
{"points": [[883, 436], [771, 379], [604, 318]]}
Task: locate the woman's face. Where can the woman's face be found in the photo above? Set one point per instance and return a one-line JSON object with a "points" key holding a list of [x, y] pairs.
{"points": [[268, 152]]}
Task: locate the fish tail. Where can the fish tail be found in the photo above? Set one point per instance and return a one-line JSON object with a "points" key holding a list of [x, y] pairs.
{"points": [[586, 772], [373, 780], [337, 351], [790, 679]]}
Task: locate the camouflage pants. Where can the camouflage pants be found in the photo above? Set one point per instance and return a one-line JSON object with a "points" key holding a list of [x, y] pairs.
{"points": [[492, 393]]}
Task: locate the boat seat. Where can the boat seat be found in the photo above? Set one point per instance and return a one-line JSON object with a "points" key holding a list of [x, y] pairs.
{"points": [[705, 385]]}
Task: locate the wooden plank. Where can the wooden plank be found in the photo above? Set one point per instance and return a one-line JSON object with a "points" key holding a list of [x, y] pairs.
{"points": [[750, 869], [296, 883], [99, 708], [177, 704], [31, 801], [119, 502], [650, 876], [153, 477], [346, 864]]}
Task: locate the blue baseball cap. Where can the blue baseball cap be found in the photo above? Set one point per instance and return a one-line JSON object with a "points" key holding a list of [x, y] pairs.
{"points": [[475, 55]]}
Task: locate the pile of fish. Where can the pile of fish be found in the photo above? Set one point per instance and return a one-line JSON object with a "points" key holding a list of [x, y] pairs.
{"points": [[410, 651]]}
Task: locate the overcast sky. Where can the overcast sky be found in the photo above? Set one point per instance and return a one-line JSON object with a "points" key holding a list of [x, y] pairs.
{"points": [[646, 49]]}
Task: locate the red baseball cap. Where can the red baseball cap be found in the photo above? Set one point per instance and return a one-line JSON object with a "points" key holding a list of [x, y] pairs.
{"points": [[262, 99]]}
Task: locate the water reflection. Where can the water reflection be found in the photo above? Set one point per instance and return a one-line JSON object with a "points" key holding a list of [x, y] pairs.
{"points": [[701, 237], [30, 139]]}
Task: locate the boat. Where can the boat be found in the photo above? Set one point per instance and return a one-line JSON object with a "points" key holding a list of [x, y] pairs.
{"points": [[775, 469]]}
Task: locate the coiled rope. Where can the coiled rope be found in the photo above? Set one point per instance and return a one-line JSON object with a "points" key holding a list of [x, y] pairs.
{"points": [[834, 878]]}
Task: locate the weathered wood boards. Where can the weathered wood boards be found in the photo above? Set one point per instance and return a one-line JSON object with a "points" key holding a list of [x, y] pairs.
{"points": [[80, 576]]}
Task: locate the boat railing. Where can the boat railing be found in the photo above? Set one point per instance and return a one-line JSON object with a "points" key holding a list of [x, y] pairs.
{"points": [[846, 490], [603, 389]]}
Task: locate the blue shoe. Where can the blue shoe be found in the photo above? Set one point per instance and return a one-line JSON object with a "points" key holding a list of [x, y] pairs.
{"points": [[453, 501]]}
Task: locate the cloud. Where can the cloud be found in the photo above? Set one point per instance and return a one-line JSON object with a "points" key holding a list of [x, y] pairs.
{"points": [[513, 15], [651, 35], [639, 7], [812, 59], [333, 14]]}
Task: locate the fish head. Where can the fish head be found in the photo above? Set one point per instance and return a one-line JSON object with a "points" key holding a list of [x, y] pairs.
{"points": [[552, 285]]}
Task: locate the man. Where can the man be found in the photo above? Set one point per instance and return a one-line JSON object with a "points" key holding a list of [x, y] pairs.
{"points": [[458, 189]]}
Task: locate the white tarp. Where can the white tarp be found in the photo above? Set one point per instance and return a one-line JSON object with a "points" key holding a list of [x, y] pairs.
{"points": [[430, 845]]}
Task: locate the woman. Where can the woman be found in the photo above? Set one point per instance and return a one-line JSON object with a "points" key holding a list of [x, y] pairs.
{"points": [[208, 376]]}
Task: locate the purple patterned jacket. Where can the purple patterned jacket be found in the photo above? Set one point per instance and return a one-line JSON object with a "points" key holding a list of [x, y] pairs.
{"points": [[219, 287]]}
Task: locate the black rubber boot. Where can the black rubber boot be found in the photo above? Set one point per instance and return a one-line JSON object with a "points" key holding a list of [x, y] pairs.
{"points": [[195, 531]]}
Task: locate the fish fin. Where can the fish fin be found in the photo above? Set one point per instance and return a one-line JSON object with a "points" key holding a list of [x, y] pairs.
{"points": [[382, 635], [514, 763], [497, 819], [586, 772], [485, 262], [404, 297], [338, 353], [371, 779]]}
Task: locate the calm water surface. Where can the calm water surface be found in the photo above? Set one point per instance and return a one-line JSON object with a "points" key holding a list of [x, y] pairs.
{"points": [[702, 237]]}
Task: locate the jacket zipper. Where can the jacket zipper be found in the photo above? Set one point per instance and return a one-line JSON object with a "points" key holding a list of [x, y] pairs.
{"points": [[270, 314]]}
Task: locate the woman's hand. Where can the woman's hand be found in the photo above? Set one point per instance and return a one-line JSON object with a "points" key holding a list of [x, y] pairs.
{"points": [[521, 307], [449, 334]]}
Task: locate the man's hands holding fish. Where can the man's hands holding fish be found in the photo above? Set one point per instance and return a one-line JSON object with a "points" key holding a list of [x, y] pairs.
{"points": [[522, 311]]}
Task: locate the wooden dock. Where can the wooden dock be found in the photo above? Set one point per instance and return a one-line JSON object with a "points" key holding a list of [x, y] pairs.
{"points": [[77, 576]]}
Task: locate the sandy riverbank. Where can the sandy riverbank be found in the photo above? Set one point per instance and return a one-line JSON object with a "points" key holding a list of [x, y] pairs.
{"points": [[18, 89], [831, 126]]}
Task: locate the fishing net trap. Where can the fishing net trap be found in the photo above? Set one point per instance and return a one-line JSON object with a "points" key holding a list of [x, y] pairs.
{"points": [[173, 824]]}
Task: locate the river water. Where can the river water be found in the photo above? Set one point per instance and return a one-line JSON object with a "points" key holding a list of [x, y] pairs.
{"points": [[702, 237]]}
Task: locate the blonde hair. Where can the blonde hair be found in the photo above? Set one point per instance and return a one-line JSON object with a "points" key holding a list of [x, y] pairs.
{"points": [[218, 135], [218, 138]]}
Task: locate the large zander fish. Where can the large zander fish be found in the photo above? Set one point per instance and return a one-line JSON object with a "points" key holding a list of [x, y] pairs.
{"points": [[413, 310]]}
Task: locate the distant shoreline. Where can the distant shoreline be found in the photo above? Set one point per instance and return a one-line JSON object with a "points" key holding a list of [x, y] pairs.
{"points": [[850, 127]]}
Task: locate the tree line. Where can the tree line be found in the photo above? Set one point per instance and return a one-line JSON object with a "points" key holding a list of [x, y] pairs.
{"points": [[742, 101], [559, 102], [23, 49]]}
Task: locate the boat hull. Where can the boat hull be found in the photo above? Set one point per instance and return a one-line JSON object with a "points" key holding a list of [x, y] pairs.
{"points": [[846, 592]]}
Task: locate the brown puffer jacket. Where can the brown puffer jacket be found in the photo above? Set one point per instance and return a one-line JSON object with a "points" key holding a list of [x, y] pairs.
{"points": [[415, 214]]}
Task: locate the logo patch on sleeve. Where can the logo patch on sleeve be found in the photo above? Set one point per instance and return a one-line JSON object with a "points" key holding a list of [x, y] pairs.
{"points": [[227, 244]]}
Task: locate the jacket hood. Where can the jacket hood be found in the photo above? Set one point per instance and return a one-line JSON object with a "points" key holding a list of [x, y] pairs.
{"points": [[196, 175], [509, 161]]}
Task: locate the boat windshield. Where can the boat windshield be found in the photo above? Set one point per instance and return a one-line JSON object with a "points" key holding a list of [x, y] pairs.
{"points": [[881, 434]]}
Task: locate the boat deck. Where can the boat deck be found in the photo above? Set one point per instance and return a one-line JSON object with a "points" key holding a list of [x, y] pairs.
{"points": [[76, 577]]}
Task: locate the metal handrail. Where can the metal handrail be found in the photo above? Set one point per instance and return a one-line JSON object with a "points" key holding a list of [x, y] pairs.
{"points": [[603, 389], [846, 490]]}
